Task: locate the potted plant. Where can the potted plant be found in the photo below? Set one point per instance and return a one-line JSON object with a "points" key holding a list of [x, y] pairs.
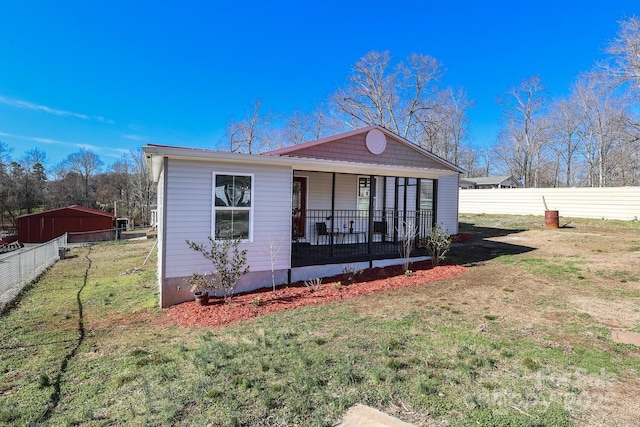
{"points": [[200, 285]]}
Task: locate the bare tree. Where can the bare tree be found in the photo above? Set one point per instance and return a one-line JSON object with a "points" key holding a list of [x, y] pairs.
{"points": [[406, 100], [398, 99], [33, 162], [403, 98], [369, 95], [624, 68], [524, 132], [143, 189], [469, 162], [408, 232], [451, 122], [85, 163], [22, 183], [625, 51], [249, 135], [67, 187], [603, 119], [301, 127], [5, 184], [630, 158], [272, 250], [121, 188], [476, 162], [417, 95], [17, 184], [564, 119]]}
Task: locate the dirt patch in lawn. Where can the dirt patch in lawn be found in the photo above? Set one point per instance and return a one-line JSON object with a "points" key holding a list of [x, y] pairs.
{"points": [[335, 288]]}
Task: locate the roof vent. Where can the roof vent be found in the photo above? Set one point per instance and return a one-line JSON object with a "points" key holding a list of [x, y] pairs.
{"points": [[376, 141]]}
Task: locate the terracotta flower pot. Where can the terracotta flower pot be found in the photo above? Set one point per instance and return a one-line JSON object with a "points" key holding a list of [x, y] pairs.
{"points": [[202, 298]]}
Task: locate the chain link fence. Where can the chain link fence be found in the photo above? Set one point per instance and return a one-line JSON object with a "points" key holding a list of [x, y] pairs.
{"points": [[18, 269]]}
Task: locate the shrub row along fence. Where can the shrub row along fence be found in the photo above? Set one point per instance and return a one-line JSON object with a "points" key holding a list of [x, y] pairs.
{"points": [[20, 268], [601, 202]]}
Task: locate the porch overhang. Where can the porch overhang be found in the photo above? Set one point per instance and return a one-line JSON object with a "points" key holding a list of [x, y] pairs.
{"points": [[155, 153]]}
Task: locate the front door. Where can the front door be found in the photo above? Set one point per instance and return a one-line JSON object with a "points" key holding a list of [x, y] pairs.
{"points": [[299, 207]]}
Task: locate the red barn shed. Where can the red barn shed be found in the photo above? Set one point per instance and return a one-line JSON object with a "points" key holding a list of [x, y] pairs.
{"points": [[44, 226]]}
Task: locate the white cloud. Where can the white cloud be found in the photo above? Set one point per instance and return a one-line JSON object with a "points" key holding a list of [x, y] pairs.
{"points": [[37, 139], [50, 141], [43, 140], [17, 103]]}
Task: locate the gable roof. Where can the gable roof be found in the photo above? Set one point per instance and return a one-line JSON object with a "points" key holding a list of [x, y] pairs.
{"points": [[414, 161], [491, 180], [76, 208], [313, 149]]}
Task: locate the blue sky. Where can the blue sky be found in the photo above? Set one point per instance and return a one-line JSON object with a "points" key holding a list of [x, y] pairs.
{"points": [[111, 76]]}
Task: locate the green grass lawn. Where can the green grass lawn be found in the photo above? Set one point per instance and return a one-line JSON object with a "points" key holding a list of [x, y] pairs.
{"points": [[86, 345]]}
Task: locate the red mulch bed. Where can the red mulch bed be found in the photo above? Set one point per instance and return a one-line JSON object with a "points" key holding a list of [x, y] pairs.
{"points": [[335, 288]]}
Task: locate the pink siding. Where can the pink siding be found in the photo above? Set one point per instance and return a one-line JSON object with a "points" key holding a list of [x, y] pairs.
{"points": [[354, 149]]}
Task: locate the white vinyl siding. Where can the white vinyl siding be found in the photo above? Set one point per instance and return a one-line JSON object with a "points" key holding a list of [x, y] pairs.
{"points": [[189, 198], [447, 215], [319, 191], [390, 192]]}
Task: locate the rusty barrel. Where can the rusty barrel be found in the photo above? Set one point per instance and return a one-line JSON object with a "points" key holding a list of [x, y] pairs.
{"points": [[551, 219]]}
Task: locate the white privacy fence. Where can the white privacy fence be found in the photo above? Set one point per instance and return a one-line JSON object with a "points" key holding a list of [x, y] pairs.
{"points": [[18, 269], [601, 202]]}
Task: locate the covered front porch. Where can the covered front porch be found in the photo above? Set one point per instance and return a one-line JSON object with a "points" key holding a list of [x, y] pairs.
{"points": [[376, 229], [346, 236], [340, 218]]}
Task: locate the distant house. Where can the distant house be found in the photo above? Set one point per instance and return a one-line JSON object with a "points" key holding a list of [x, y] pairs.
{"points": [[489, 182], [43, 226], [344, 200], [466, 183]]}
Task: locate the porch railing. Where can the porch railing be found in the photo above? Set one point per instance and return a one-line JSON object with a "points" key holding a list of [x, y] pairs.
{"points": [[324, 235]]}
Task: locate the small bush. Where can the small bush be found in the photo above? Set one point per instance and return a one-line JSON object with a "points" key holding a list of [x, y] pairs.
{"points": [[229, 262], [437, 244], [313, 283]]}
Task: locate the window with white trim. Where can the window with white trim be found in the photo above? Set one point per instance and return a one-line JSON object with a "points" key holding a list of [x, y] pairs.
{"points": [[232, 206], [426, 193], [364, 193]]}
